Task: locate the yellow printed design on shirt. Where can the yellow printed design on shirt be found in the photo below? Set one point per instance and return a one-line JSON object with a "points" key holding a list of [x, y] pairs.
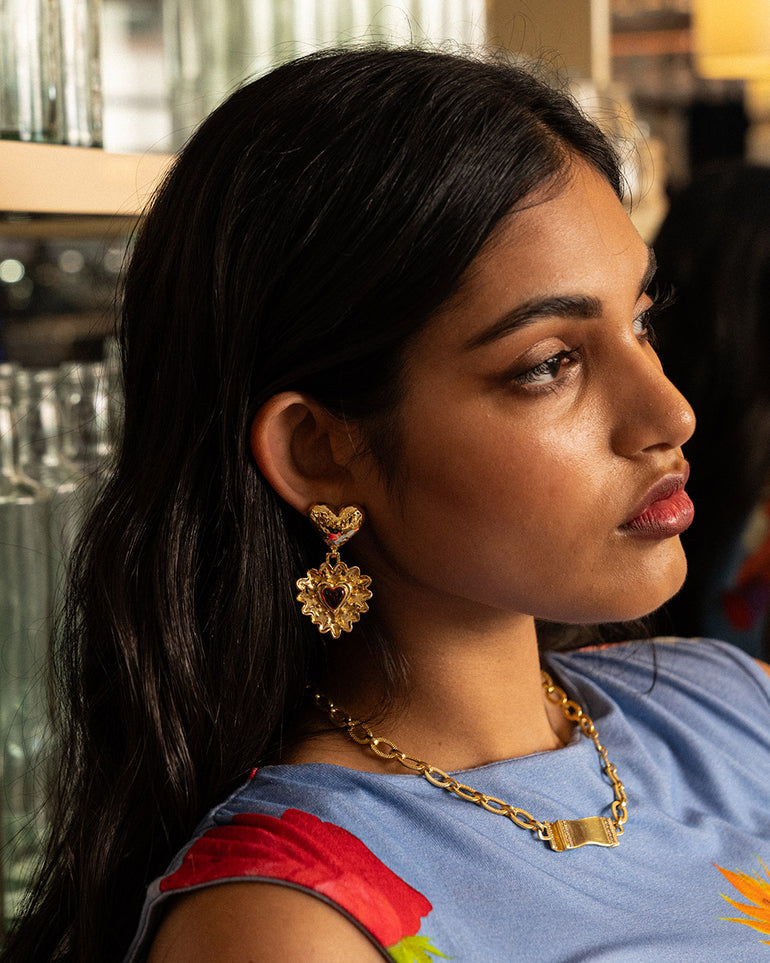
{"points": [[757, 890]]}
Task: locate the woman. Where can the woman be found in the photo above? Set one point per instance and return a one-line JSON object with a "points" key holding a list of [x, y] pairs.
{"points": [[390, 299]]}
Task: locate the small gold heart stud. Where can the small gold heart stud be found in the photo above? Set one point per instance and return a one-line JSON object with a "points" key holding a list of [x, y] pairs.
{"points": [[334, 528]]}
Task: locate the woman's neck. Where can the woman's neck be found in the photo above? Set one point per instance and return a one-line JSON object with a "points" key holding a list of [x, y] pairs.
{"points": [[474, 693]]}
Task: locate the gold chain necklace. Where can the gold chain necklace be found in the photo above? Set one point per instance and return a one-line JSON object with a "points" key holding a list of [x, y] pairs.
{"points": [[562, 833]]}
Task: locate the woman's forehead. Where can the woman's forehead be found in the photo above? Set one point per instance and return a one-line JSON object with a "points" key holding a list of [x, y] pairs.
{"points": [[577, 240]]}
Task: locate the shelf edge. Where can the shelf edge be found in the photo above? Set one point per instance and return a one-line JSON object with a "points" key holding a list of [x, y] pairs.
{"points": [[55, 179]]}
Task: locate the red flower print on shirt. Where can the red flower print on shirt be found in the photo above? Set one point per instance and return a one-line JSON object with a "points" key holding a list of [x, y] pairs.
{"points": [[300, 848]]}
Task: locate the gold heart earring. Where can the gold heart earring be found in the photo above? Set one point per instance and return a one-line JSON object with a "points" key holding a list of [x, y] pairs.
{"points": [[333, 595]]}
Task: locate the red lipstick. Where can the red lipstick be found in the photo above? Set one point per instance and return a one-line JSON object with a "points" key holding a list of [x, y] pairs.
{"points": [[664, 511]]}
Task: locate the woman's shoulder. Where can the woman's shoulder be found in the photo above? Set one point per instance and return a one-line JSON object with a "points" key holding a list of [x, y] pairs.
{"points": [[699, 660], [259, 922], [269, 865], [689, 677]]}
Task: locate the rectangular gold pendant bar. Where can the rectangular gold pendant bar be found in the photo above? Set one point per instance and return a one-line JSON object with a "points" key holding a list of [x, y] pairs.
{"points": [[574, 833]]}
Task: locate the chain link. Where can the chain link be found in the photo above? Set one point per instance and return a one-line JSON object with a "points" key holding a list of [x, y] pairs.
{"points": [[559, 697], [359, 732]]}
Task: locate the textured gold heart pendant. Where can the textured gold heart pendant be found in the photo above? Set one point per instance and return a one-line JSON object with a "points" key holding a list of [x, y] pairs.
{"points": [[336, 529], [334, 596]]}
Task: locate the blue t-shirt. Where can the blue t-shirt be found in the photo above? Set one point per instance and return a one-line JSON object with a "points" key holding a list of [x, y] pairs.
{"points": [[428, 876]]}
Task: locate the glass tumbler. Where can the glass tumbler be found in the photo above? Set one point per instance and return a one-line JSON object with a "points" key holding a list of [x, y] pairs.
{"points": [[50, 71], [29, 67]]}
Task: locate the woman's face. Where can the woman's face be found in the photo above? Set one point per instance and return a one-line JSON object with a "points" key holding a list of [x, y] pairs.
{"points": [[536, 427]]}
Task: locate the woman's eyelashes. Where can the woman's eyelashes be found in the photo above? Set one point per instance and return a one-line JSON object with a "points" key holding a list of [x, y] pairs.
{"points": [[643, 328], [548, 372], [643, 324]]}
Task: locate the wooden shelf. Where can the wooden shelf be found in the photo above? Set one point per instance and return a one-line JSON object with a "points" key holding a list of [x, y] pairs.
{"points": [[54, 179]]}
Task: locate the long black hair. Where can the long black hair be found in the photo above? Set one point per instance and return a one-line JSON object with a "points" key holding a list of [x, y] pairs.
{"points": [[307, 231], [714, 341]]}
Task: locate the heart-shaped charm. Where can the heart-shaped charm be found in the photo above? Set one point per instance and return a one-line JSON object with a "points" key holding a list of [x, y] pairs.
{"points": [[333, 595], [336, 529]]}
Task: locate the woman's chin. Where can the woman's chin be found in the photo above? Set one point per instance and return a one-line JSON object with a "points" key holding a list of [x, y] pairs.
{"points": [[664, 578], [641, 595]]}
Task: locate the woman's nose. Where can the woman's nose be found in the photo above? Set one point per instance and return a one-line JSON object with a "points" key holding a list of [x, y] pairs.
{"points": [[652, 412]]}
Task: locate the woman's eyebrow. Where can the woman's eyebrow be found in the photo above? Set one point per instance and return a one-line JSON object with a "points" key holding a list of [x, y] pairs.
{"points": [[566, 306]]}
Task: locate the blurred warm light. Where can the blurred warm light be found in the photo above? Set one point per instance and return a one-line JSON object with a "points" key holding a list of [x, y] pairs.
{"points": [[731, 38], [757, 96]]}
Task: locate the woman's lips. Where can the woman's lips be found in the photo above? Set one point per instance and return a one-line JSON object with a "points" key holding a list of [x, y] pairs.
{"points": [[664, 511]]}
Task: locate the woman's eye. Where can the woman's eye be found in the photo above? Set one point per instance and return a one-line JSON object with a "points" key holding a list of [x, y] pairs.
{"points": [[643, 326], [546, 372]]}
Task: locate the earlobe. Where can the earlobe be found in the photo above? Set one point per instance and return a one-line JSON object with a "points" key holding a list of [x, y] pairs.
{"points": [[295, 443]]}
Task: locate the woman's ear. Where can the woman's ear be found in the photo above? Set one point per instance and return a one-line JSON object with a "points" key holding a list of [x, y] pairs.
{"points": [[302, 450]]}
